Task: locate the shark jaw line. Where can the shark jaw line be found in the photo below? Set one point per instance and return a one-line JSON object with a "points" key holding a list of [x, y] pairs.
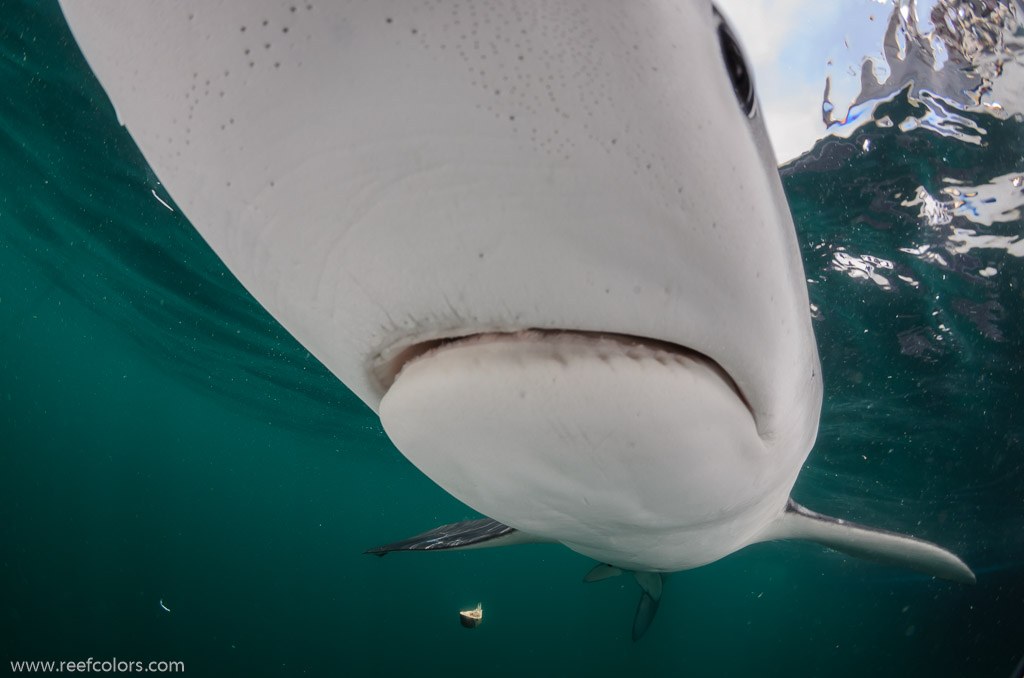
{"points": [[602, 441], [389, 363]]}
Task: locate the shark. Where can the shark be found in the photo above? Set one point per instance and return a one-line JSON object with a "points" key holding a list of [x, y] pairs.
{"points": [[544, 240]]}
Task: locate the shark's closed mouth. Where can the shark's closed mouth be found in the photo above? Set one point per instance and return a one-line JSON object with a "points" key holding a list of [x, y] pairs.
{"points": [[575, 435], [389, 364]]}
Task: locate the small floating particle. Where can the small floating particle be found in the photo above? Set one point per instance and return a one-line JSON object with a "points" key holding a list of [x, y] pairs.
{"points": [[153, 191], [164, 607], [472, 618]]}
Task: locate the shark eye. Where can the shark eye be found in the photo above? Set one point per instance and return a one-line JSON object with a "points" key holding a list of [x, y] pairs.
{"points": [[736, 66]]}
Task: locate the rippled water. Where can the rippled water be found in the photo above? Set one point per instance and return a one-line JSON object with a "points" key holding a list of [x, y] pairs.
{"points": [[163, 440]]}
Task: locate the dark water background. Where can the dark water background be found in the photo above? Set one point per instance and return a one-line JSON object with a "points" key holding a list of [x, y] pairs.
{"points": [[162, 438]]}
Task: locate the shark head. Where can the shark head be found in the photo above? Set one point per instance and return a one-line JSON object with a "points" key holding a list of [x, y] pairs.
{"points": [[545, 240], [555, 185]]}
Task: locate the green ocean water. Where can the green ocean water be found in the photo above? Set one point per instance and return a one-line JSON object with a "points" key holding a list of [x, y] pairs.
{"points": [[162, 439]]}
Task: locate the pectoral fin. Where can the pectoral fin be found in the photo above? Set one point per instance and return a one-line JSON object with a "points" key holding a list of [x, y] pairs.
{"points": [[866, 542], [469, 534]]}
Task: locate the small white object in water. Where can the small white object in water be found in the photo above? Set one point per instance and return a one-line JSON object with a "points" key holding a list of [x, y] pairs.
{"points": [[472, 618], [164, 607], [153, 191]]}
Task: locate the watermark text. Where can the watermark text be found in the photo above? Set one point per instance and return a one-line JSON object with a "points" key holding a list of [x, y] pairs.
{"points": [[90, 665]]}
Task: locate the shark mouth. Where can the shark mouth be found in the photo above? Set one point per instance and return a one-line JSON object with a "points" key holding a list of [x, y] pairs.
{"points": [[389, 364], [586, 438]]}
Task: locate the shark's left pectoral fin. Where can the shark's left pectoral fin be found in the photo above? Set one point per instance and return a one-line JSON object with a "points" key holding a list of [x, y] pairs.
{"points": [[866, 542], [469, 534]]}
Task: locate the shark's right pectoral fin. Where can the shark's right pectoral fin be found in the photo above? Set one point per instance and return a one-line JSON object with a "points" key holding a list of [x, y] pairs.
{"points": [[469, 534], [866, 542]]}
